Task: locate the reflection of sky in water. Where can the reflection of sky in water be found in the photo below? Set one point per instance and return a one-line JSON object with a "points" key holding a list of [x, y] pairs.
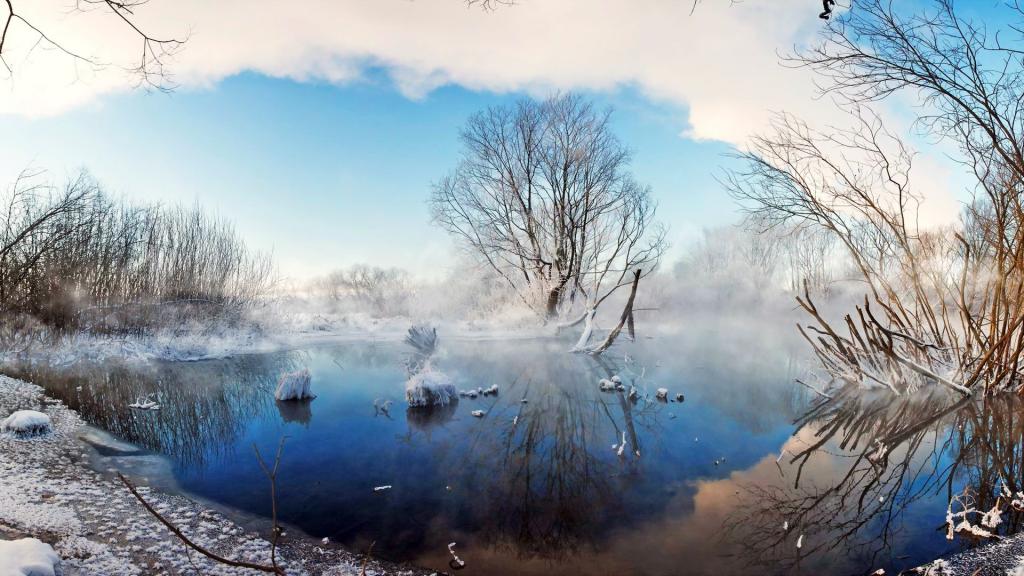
{"points": [[546, 495]]}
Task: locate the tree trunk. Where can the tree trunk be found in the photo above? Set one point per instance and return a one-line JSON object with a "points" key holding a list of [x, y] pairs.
{"points": [[554, 297], [588, 329]]}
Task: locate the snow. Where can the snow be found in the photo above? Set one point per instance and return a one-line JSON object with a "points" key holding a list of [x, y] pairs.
{"points": [[430, 387], [662, 394], [28, 557], [26, 423], [455, 557], [992, 518], [294, 386], [147, 403], [274, 326]]}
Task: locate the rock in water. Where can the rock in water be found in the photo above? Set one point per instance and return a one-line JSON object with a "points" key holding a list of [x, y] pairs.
{"points": [[26, 423], [294, 386], [661, 394]]}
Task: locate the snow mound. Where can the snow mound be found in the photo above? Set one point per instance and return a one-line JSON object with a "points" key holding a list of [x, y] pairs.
{"points": [[26, 423], [28, 557], [294, 386], [430, 387]]}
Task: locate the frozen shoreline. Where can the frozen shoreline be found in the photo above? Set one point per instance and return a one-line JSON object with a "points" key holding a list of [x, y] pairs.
{"points": [[49, 491], [300, 331]]}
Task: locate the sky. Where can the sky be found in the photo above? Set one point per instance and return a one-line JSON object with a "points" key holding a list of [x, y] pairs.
{"points": [[318, 130]]}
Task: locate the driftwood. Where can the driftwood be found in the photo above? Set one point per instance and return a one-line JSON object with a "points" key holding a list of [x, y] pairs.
{"points": [[625, 319]]}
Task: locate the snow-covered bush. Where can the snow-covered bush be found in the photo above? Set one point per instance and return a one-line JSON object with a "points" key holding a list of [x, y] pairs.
{"points": [[28, 557], [26, 423], [430, 387], [294, 386]]}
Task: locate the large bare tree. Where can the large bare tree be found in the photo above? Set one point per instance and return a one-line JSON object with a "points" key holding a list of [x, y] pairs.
{"points": [[945, 305], [543, 195]]}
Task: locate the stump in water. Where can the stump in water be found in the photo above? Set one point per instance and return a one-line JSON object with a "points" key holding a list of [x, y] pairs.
{"points": [[294, 386], [426, 385]]}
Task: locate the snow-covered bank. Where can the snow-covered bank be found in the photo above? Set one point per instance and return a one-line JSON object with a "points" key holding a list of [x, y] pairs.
{"points": [[295, 331], [1002, 558], [49, 492]]}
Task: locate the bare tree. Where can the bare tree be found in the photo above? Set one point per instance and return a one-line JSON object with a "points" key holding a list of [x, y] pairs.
{"points": [[153, 51], [948, 303], [543, 196]]}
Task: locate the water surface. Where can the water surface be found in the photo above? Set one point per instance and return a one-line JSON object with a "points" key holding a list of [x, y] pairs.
{"points": [[539, 484]]}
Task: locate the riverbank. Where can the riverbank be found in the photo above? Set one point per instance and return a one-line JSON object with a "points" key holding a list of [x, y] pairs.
{"points": [[49, 491], [1002, 558]]}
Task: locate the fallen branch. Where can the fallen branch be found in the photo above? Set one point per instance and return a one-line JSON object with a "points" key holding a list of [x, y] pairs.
{"points": [[188, 542], [627, 317]]}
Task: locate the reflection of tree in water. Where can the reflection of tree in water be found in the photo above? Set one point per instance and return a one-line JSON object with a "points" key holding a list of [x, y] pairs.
{"points": [[204, 406], [887, 454], [545, 481]]}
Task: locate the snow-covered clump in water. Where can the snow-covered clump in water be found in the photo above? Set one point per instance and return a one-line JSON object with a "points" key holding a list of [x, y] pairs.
{"points": [[145, 403], [430, 387], [26, 423], [661, 394], [294, 386], [28, 557]]}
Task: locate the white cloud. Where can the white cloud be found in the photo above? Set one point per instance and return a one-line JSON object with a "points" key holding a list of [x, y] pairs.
{"points": [[720, 62]]}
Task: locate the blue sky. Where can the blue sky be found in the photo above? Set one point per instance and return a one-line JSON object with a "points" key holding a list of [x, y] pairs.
{"points": [[326, 175], [319, 133]]}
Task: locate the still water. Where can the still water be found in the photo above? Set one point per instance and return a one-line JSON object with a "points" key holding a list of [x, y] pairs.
{"points": [[539, 485]]}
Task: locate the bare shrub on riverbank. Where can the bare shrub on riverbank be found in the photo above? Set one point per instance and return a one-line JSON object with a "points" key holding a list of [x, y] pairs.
{"points": [[945, 305], [73, 259]]}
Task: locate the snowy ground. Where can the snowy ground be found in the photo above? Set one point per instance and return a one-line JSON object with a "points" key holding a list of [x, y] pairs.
{"points": [[276, 331], [1003, 558], [48, 491]]}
